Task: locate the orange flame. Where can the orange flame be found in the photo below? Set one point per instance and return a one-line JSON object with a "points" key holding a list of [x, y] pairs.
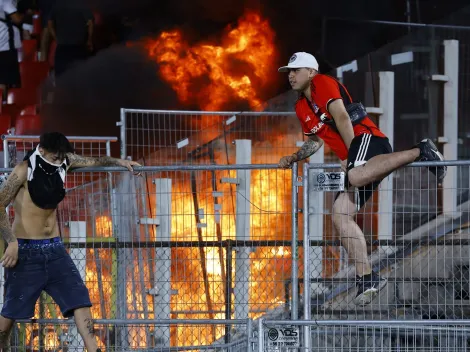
{"points": [[211, 75]]}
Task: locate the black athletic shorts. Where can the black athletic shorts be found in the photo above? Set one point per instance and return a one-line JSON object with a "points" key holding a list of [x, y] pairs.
{"points": [[363, 148]]}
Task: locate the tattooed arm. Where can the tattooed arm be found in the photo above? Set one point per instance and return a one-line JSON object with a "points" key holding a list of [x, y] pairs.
{"points": [[8, 192], [84, 161], [310, 147]]}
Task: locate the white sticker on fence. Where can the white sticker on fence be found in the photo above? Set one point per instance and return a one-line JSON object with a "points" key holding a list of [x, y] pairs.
{"points": [[327, 181], [280, 338]]}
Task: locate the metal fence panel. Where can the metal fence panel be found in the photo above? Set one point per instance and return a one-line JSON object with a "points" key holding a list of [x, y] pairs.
{"points": [[425, 258], [355, 335], [165, 246], [161, 137], [54, 335]]}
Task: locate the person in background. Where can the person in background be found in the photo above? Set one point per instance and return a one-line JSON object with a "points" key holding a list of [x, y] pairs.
{"points": [[9, 66], [71, 25], [45, 9]]}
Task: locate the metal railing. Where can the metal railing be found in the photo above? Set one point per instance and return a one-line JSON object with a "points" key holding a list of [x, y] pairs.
{"points": [[161, 247]]}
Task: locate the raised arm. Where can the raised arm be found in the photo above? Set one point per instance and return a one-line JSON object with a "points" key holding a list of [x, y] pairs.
{"points": [[77, 161]]}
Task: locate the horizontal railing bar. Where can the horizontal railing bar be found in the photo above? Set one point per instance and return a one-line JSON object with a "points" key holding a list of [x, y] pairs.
{"points": [[140, 321], [222, 113], [109, 242], [22, 138], [414, 164], [358, 323], [390, 280], [239, 167]]}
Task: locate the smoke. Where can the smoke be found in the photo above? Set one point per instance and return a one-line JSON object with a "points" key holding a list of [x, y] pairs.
{"points": [[88, 97]]}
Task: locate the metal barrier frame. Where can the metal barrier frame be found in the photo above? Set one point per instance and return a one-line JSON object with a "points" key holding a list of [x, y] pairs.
{"points": [[30, 138], [294, 301]]}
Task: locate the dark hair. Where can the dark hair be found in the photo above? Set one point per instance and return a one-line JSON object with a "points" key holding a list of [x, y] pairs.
{"points": [[56, 142]]}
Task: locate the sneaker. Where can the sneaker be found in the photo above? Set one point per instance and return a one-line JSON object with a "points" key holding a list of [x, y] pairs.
{"points": [[429, 152], [368, 286]]}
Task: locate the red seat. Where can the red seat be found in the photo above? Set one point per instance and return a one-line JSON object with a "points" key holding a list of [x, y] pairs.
{"points": [[28, 125], [5, 125], [22, 97], [37, 26], [29, 110], [33, 74], [51, 54], [30, 48], [11, 109]]}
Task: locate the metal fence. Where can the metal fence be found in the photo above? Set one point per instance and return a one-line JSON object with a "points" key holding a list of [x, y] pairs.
{"points": [[162, 137], [211, 242], [363, 335]]}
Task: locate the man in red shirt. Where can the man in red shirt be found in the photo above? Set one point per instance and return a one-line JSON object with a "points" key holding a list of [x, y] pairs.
{"points": [[328, 114]]}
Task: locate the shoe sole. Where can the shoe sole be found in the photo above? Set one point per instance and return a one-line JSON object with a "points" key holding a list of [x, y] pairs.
{"points": [[441, 158], [368, 296]]}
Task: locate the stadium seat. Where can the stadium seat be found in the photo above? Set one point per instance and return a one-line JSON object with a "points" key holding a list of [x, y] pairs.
{"points": [[28, 125], [5, 125], [37, 26], [12, 110], [51, 54], [29, 110], [22, 97], [30, 47], [33, 74]]}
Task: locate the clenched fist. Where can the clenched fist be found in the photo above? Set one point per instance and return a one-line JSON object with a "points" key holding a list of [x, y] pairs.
{"points": [[287, 161]]}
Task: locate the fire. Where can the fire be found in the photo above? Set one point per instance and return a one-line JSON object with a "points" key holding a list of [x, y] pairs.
{"points": [[104, 226], [212, 75]]}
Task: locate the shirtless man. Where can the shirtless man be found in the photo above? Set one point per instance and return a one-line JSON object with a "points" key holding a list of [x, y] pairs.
{"points": [[35, 259]]}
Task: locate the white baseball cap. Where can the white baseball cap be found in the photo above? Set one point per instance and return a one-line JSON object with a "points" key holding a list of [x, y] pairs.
{"points": [[300, 60]]}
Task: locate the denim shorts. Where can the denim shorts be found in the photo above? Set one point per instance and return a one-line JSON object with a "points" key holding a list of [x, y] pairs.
{"points": [[43, 265]]}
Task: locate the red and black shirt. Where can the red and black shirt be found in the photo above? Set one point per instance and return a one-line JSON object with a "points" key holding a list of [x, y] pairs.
{"points": [[326, 89]]}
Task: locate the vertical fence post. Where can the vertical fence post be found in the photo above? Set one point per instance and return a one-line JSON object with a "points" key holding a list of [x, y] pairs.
{"points": [[6, 154], [295, 249], [162, 277], [451, 106], [123, 141], [228, 287], [77, 236], [307, 249], [386, 121], [242, 228], [314, 213]]}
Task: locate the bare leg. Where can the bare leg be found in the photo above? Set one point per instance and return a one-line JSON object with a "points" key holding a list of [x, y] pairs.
{"points": [[85, 328], [381, 166], [352, 238], [5, 328]]}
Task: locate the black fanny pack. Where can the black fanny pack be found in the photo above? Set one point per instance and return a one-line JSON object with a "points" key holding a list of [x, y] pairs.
{"points": [[357, 112]]}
